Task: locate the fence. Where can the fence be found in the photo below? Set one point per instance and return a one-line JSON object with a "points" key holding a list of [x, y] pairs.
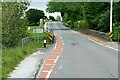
{"points": [[25, 41], [36, 38]]}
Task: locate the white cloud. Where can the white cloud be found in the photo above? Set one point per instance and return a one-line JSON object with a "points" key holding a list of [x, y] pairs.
{"points": [[53, 14], [42, 6]]}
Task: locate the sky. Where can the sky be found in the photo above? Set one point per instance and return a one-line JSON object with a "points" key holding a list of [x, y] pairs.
{"points": [[41, 5]]}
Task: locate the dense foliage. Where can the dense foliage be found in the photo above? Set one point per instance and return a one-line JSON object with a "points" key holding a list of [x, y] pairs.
{"points": [[34, 15], [93, 15], [58, 18], [13, 22], [52, 18]]}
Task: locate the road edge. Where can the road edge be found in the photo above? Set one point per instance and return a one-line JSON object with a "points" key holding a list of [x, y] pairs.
{"points": [[102, 44], [52, 58]]}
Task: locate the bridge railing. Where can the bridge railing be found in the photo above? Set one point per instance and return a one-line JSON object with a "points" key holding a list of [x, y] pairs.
{"points": [[95, 33]]}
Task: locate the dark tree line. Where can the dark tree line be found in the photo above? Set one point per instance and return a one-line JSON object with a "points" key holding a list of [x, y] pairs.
{"points": [[93, 15], [34, 15]]}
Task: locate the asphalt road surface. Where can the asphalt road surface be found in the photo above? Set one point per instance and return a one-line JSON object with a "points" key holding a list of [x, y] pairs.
{"points": [[82, 58]]}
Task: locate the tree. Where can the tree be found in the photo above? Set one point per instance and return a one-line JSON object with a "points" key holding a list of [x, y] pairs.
{"points": [[95, 15], [52, 18], [104, 22], [68, 10], [116, 21], [116, 12], [93, 11], [13, 23], [58, 18], [45, 17], [116, 31], [34, 15]]}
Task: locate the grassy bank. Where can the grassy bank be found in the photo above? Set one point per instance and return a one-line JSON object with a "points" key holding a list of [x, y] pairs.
{"points": [[40, 35], [11, 57], [0, 63]]}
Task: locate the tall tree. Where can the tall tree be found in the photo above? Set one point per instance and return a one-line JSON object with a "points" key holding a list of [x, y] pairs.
{"points": [[34, 15], [96, 15], [13, 22], [52, 18], [116, 12], [116, 20], [68, 10]]}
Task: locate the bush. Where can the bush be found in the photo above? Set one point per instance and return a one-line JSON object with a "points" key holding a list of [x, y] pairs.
{"points": [[103, 24], [76, 24], [82, 24], [11, 57], [116, 31]]}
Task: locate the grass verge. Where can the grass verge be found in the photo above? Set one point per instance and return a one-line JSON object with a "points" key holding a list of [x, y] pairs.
{"points": [[0, 64], [11, 57]]}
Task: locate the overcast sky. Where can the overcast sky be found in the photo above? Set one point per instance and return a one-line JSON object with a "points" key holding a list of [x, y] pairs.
{"points": [[41, 5]]}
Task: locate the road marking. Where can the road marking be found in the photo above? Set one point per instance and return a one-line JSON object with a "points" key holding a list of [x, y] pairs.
{"points": [[49, 61], [46, 67], [52, 59], [44, 74], [48, 64], [96, 41], [45, 71], [48, 75], [56, 59], [55, 46]]}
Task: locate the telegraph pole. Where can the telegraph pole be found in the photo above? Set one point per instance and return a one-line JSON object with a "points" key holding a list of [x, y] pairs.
{"points": [[111, 8]]}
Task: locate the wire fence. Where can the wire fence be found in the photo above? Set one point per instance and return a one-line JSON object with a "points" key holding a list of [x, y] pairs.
{"points": [[25, 41]]}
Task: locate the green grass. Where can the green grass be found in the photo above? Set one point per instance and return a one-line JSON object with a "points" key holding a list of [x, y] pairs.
{"points": [[40, 35], [0, 64], [11, 57], [34, 27]]}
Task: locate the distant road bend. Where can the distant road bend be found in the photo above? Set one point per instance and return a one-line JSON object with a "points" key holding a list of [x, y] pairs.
{"points": [[82, 58]]}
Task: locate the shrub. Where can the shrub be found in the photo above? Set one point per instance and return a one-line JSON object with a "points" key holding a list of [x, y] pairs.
{"points": [[116, 31]]}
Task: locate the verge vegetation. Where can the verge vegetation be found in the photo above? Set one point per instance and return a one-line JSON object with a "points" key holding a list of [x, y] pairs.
{"points": [[88, 15]]}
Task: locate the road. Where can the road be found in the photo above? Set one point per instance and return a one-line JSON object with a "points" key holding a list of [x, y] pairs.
{"points": [[82, 58]]}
